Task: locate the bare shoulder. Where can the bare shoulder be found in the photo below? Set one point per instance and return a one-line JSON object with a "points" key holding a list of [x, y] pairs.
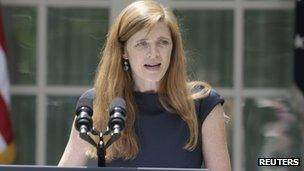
{"points": [[215, 122], [216, 116]]}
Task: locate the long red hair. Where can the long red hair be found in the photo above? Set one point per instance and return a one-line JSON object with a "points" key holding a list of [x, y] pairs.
{"points": [[112, 81]]}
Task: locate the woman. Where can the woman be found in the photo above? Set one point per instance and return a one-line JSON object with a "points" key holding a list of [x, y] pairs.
{"points": [[170, 123]]}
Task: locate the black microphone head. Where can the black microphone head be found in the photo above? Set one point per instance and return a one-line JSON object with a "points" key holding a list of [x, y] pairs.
{"points": [[118, 102], [86, 99], [84, 112], [117, 114]]}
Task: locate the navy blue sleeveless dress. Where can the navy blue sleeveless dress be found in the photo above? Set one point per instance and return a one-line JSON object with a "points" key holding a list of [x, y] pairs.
{"points": [[162, 135]]}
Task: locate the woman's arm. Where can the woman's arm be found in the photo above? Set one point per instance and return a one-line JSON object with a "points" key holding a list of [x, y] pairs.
{"points": [[74, 153], [214, 145]]}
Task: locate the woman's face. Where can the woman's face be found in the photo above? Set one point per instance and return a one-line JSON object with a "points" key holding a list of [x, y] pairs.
{"points": [[149, 53]]}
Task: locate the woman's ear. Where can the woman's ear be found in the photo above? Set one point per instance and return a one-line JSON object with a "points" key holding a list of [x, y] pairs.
{"points": [[125, 54]]}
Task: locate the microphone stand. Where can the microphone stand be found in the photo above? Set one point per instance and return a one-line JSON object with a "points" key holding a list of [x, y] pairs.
{"points": [[101, 146], [101, 152]]}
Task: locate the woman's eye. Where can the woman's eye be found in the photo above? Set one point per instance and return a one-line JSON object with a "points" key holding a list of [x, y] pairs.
{"points": [[142, 44], [164, 42]]}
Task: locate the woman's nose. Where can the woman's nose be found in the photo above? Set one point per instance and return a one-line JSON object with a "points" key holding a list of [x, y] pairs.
{"points": [[154, 51]]}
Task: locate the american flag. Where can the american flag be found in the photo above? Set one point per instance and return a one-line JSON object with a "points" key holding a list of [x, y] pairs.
{"points": [[7, 147], [299, 45]]}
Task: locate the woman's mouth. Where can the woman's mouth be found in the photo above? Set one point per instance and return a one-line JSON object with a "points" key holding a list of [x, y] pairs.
{"points": [[152, 67]]}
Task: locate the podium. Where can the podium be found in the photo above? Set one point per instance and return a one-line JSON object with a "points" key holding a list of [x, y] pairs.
{"points": [[55, 168]]}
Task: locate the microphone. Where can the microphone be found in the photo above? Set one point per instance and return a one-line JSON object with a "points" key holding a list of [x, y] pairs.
{"points": [[84, 112], [117, 115]]}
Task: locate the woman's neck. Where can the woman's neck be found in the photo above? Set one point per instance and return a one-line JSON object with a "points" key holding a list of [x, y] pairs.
{"points": [[146, 86]]}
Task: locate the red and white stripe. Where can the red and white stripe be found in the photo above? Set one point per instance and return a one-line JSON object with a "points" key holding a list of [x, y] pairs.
{"points": [[7, 145], [5, 128]]}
